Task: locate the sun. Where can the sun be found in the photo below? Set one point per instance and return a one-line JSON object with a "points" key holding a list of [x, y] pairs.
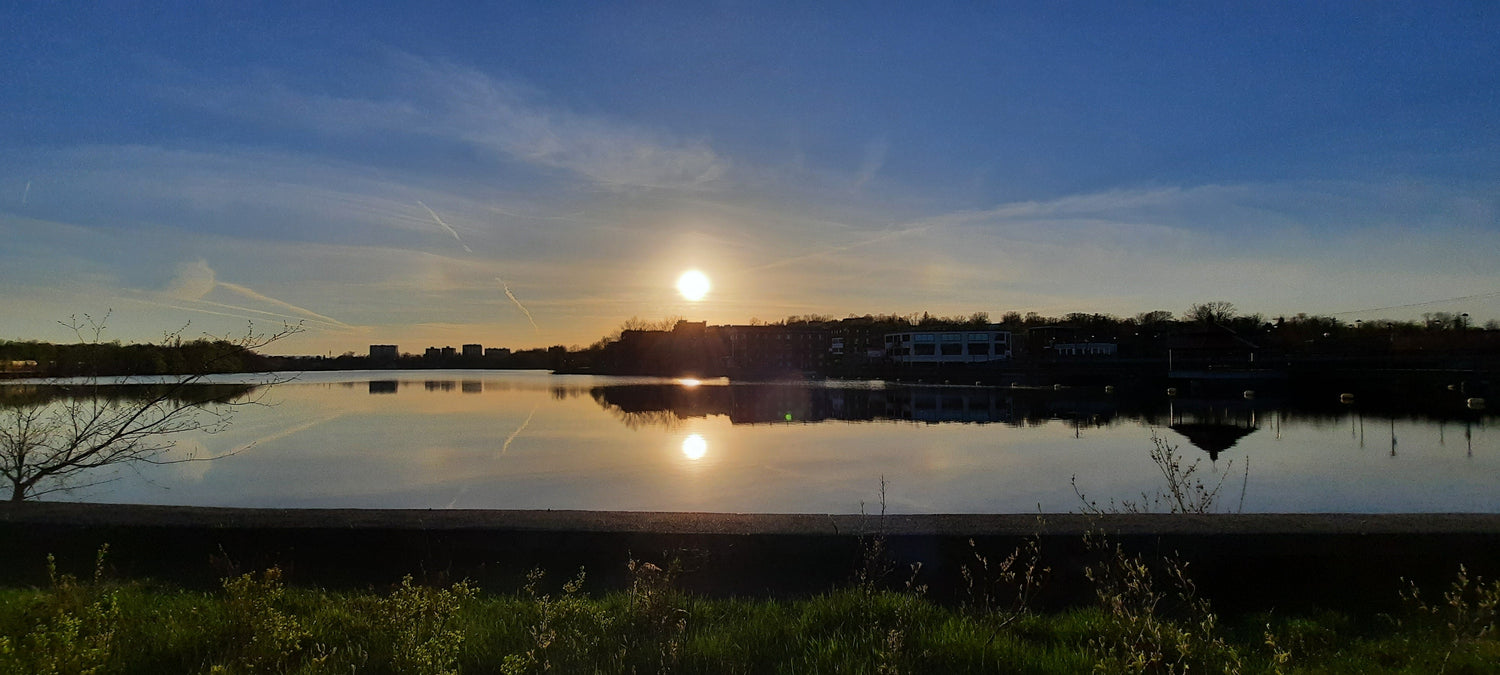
{"points": [[693, 285]]}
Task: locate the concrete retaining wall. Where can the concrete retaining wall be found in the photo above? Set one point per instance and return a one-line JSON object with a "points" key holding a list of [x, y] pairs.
{"points": [[1241, 561]]}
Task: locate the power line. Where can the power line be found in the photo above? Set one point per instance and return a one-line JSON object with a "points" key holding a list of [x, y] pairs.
{"points": [[1419, 304]]}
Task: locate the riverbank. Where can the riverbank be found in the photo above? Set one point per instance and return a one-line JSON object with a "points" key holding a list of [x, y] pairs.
{"points": [[1244, 562]]}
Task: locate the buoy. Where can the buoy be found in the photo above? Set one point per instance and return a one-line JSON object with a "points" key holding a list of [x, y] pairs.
{"points": [[1171, 391], [1476, 403], [1452, 387], [1249, 393], [1109, 389], [1056, 387], [1015, 385], [1346, 398]]}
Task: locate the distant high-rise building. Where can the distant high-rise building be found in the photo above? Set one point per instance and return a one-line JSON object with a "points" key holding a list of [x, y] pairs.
{"points": [[449, 352], [496, 352], [383, 352], [433, 353], [474, 351]]}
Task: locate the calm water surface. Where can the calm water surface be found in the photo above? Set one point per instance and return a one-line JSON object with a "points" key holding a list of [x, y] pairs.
{"points": [[530, 440]]}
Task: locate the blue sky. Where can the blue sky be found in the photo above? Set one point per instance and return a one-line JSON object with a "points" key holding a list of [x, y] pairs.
{"points": [[416, 173]]}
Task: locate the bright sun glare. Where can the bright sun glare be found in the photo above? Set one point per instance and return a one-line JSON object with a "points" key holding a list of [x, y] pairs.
{"points": [[694, 447], [693, 285]]}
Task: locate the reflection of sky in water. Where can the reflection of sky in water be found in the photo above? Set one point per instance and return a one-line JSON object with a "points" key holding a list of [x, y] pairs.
{"points": [[468, 439]]}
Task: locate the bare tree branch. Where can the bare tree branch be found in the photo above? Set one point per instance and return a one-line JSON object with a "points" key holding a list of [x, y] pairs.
{"points": [[50, 445]]}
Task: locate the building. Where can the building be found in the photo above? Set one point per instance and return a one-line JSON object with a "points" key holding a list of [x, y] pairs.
{"points": [[948, 346], [496, 352], [433, 353], [383, 352], [1085, 349], [473, 351], [777, 349], [449, 352]]}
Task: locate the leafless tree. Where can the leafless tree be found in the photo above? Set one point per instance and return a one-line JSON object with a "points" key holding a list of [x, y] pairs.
{"points": [[50, 445], [1153, 317], [1217, 311]]}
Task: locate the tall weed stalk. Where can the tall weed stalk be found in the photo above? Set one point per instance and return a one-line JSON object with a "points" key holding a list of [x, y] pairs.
{"points": [[76, 633], [1154, 620]]}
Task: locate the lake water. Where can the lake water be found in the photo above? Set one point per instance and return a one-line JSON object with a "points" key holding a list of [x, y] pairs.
{"points": [[531, 440]]}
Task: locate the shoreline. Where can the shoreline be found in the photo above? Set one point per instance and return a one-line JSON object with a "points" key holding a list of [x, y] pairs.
{"points": [[691, 522]]}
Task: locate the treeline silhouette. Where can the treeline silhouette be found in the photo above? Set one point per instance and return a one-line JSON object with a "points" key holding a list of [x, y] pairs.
{"points": [[21, 395], [87, 359], [1143, 335]]}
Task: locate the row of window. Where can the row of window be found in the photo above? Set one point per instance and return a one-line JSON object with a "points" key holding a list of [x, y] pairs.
{"points": [[975, 349], [999, 338]]}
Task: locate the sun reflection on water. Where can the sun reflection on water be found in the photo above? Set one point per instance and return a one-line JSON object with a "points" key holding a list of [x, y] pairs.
{"points": [[694, 447]]}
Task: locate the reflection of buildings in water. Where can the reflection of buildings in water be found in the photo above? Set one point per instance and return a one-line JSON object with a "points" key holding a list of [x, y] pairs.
{"points": [[933, 405], [382, 386], [472, 387], [773, 403], [1213, 426], [439, 385]]}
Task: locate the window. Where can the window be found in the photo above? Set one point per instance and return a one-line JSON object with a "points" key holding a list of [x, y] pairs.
{"points": [[924, 337], [953, 350], [922, 350], [952, 337], [979, 348], [979, 337]]}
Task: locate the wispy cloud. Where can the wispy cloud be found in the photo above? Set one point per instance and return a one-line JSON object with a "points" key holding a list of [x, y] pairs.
{"points": [[195, 280], [873, 161], [830, 251], [454, 103]]}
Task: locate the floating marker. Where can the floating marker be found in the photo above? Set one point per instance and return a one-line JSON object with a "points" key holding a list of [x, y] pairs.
{"points": [[1476, 403], [1249, 393], [1171, 391], [1346, 398], [1056, 387], [788, 417], [1109, 389]]}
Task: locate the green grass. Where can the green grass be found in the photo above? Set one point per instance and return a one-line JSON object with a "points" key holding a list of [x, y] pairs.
{"points": [[255, 624]]}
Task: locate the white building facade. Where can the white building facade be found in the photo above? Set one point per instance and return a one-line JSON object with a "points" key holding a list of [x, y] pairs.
{"points": [[948, 346]]}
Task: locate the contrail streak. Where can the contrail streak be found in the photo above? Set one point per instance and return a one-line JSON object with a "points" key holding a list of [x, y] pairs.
{"points": [[280, 303], [196, 309], [287, 432], [512, 297], [503, 448], [517, 432], [27, 194], [840, 249], [445, 226]]}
